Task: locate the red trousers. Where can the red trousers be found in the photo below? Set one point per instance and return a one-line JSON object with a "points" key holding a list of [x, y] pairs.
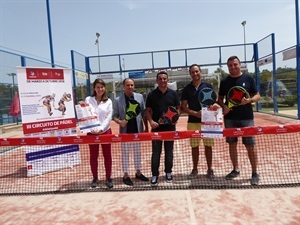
{"points": [[94, 154]]}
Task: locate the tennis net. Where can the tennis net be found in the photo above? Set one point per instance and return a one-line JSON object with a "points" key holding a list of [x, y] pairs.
{"points": [[61, 164]]}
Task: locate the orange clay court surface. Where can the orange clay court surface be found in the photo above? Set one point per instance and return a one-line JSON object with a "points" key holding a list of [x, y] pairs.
{"points": [[274, 206]]}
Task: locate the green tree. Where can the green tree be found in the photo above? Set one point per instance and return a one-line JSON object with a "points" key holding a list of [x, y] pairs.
{"points": [[265, 75], [221, 71], [6, 98]]}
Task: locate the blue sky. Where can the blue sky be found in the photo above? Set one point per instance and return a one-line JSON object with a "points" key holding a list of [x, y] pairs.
{"points": [[138, 26]]}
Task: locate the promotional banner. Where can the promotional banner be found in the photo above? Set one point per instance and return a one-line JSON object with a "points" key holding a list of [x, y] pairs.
{"points": [[46, 100], [48, 159], [211, 122], [47, 109]]}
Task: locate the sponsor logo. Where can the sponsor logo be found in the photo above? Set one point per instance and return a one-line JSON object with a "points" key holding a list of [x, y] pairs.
{"points": [[238, 132], [116, 138], [156, 136], [136, 137], [5, 142], [176, 135], [196, 134], [77, 140], [281, 129]]}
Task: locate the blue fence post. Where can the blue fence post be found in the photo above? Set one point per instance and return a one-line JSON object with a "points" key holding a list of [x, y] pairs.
{"points": [[74, 77], [298, 55], [257, 73], [275, 104], [88, 71]]}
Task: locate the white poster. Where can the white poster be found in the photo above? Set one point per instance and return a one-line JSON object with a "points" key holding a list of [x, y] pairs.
{"points": [[46, 100], [212, 123], [47, 109], [87, 118]]}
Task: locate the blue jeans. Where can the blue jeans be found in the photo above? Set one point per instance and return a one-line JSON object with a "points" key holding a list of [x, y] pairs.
{"points": [[239, 124]]}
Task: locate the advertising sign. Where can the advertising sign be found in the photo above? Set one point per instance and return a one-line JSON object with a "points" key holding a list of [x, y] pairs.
{"points": [[47, 109]]}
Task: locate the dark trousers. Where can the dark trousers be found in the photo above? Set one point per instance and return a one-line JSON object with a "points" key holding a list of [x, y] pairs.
{"points": [[156, 153]]}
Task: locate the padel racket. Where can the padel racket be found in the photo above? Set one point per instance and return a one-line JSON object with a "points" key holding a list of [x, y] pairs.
{"points": [[207, 96], [133, 109], [235, 96], [169, 116]]}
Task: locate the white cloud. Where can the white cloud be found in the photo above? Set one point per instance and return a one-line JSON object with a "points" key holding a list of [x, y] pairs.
{"points": [[130, 5]]}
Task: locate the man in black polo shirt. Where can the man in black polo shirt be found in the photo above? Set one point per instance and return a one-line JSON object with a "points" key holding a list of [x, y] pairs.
{"points": [[190, 104], [157, 101], [240, 116]]}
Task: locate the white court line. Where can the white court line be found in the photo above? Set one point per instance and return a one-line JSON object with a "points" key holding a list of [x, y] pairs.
{"points": [[191, 208], [10, 149]]}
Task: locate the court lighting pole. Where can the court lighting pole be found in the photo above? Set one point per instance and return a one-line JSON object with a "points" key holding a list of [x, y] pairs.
{"points": [[97, 43], [13, 82], [123, 65], [244, 28], [13, 78]]}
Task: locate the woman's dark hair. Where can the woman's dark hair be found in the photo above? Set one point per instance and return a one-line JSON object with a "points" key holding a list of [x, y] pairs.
{"points": [[100, 81]]}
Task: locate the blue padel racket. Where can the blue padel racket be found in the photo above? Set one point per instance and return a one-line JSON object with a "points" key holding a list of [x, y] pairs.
{"points": [[169, 116], [207, 96], [133, 109], [235, 96]]}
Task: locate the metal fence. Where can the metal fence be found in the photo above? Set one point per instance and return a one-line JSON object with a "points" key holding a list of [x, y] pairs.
{"points": [[9, 61], [275, 72], [277, 78]]}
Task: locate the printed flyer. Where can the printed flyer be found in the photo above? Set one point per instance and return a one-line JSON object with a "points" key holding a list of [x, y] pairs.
{"points": [[212, 123], [87, 118]]}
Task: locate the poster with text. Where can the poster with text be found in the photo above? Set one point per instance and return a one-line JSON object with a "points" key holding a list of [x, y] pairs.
{"points": [[47, 109], [87, 118], [211, 122], [46, 100], [51, 158]]}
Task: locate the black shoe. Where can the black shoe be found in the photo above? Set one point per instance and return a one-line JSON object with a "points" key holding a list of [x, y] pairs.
{"points": [[141, 177], [254, 179], [233, 174], [154, 181], [109, 183], [193, 174], [127, 181], [95, 183], [169, 177], [210, 175]]}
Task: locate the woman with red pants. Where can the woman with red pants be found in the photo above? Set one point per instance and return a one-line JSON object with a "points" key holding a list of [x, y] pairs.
{"points": [[102, 105]]}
